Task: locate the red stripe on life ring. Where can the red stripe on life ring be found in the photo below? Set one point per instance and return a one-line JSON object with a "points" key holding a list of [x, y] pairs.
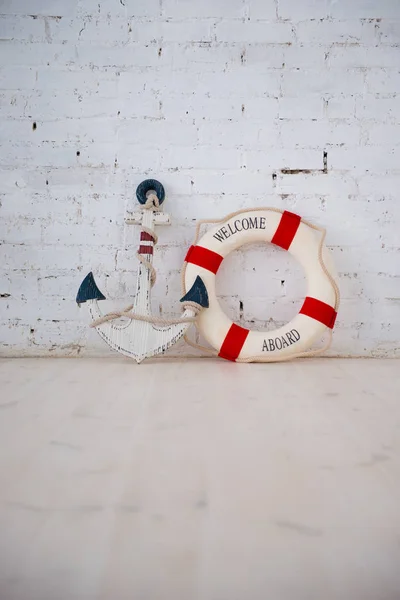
{"points": [[287, 229], [205, 258], [233, 342], [320, 311]]}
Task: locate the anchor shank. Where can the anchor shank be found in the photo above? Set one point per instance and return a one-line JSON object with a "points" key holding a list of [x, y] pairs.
{"points": [[141, 304]]}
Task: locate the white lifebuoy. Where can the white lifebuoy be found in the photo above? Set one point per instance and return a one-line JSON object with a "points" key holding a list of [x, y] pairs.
{"points": [[302, 240]]}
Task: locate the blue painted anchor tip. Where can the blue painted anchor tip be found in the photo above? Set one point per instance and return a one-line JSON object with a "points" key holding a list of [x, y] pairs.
{"points": [[88, 290], [197, 293]]}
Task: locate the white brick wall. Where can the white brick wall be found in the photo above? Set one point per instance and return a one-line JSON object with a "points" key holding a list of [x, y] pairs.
{"points": [[212, 97]]}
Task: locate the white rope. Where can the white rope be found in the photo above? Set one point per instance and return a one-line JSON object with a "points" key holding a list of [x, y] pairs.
{"points": [[152, 202], [148, 319]]}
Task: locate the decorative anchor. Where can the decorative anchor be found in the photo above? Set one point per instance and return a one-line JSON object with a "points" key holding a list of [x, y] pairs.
{"points": [[140, 335]]}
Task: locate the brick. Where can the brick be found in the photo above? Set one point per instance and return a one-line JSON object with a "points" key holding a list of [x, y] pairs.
{"points": [[85, 180], [314, 81], [39, 257], [200, 107], [15, 335], [202, 57], [299, 57], [29, 310], [238, 133], [12, 104], [327, 32], [365, 158], [262, 9], [221, 182], [61, 31], [351, 285], [384, 135], [370, 184], [389, 234], [388, 31], [178, 82], [264, 56], [72, 81], [106, 204], [283, 158], [97, 232], [291, 108], [20, 54], [139, 159], [17, 78], [364, 9], [334, 185], [93, 30], [139, 105], [196, 30], [340, 107], [76, 131], [51, 156], [180, 235], [201, 157], [56, 8], [125, 258], [118, 56], [47, 333], [20, 230], [321, 134], [22, 28], [51, 106], [388, 285], [172, 255], [241, 81], [260, 108], [383, 81], [141, 8], [369, 106], [180, 9], [153, 133], [357, 57], [180, 207], [301, 11], [251, 32], [100, 259]]}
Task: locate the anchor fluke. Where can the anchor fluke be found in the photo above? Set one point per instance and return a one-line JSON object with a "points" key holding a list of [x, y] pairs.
{"points": [[197, 293], [88, 290]]}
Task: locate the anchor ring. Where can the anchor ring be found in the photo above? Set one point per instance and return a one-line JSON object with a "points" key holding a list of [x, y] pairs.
{"points": [[150, 185]]}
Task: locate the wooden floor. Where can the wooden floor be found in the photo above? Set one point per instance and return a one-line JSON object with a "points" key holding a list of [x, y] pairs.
{"points": [[199, 480]]}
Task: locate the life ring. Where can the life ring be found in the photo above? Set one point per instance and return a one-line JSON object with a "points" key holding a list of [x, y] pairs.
{"points": [[305, 242]]}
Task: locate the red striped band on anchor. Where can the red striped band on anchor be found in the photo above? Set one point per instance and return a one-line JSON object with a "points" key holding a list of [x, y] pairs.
{"points": [[146, 237], [146, 248], [205, 258]]}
